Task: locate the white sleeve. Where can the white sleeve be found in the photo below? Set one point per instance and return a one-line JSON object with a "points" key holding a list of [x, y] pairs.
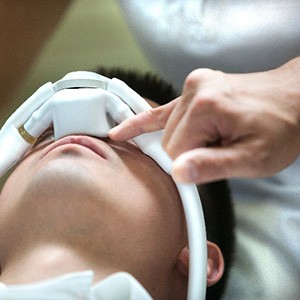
{"points": [[233, 36]]}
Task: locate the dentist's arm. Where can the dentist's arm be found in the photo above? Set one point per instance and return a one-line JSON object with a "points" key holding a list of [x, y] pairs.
{"points": [[25, 27], [228, 125]]}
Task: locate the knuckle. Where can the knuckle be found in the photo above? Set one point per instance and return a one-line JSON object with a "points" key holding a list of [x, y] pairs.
{"points": [[207, 100], [264, 165], [196, 76], [137, 125], [258, 158], [206, 88], [146, 121], [211, 98], [156, 118]]}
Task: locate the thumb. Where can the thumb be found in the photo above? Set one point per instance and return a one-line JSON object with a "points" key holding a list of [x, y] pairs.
{"points": [[208, 164]]}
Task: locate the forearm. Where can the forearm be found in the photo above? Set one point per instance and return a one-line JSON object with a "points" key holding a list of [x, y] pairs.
{"points": [[25, 27]]}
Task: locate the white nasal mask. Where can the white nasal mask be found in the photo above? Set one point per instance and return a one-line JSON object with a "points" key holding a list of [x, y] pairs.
{"points": [[90, 104]]}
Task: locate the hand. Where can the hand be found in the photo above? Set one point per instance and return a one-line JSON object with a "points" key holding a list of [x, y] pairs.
{"points": [[227, 125]]}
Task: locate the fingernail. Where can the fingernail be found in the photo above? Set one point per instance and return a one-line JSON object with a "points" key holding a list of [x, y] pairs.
{"points": [[184, 171]]}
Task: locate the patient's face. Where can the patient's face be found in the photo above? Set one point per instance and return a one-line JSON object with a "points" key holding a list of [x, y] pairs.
{"points": [[104, 198]]}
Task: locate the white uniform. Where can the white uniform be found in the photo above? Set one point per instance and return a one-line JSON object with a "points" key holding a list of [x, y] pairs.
{"points": [[179, 36], [236, 36]]}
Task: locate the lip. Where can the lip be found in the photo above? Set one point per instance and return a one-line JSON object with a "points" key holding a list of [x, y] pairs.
{"points": [[84, 141]]}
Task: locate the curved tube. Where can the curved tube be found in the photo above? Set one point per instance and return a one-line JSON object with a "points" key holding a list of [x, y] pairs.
{"points": [[197, 241], [34, 102]]}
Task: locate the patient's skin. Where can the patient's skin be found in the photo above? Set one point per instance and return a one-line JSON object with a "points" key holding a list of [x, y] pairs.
{"points": [[92, 204]]}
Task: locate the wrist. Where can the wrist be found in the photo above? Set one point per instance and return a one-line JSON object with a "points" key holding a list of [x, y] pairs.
{"points": [[290, 83]]}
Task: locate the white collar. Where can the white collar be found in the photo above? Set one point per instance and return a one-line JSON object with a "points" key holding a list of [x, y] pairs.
{"points": [[119, 286]]}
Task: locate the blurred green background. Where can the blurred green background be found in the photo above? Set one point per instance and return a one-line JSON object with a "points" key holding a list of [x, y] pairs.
{"points": [[92, 33]]}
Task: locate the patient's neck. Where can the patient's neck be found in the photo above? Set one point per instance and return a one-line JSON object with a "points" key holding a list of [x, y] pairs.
{"points": [[44, 238], [44, 261]]}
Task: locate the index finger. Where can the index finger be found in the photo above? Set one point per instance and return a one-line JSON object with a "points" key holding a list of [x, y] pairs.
{"points": [[147, 121]]}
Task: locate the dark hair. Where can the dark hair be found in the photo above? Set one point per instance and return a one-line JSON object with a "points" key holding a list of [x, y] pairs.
{"points": [[148, 85], [215, 196], [220, 223]]}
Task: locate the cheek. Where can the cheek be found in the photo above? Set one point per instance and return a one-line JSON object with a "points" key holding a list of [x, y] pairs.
{"points": [[151, 205], [151, 224], [16, 181]]}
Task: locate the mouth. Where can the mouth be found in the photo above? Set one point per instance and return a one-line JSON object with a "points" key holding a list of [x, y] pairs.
{"points": [[81, 140]]}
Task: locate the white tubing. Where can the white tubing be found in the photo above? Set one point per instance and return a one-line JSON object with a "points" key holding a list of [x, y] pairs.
{"points": [[39, 121], [12, 145], [12, 148], [34, 102], [129, 96], [197, 241], [150, 144]]}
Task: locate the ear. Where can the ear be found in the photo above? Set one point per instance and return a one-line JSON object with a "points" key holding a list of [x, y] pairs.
{"points": [[215, 263]]}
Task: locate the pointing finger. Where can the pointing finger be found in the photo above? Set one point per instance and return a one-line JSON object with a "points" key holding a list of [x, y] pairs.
{"points": [[147, 121]]}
